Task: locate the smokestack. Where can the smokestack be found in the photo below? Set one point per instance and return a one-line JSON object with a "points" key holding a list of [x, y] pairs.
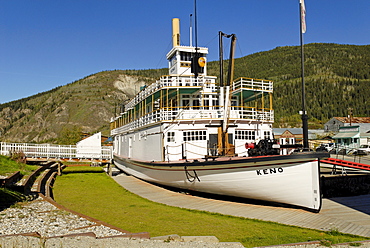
{"points": [[176, 32]]}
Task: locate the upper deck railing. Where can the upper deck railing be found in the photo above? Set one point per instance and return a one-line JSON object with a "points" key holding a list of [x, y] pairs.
{"points": [[252, 84], [169, 82], [185, 114], [137, 118]]}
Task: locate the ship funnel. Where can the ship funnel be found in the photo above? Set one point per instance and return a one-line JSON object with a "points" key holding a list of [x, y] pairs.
{"points": [[176, 32]]}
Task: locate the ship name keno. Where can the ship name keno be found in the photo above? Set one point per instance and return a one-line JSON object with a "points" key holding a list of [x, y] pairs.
{"points": [[269, 171]]}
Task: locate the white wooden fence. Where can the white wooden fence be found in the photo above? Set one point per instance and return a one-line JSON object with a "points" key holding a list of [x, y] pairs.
{"points": [[56, 151]]}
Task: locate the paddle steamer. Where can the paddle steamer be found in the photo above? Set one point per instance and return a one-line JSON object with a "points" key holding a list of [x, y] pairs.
{"points": [[189, 130]]}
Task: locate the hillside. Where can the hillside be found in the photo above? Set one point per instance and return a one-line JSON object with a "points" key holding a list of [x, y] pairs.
{"points": [[337, 78], [60, 115]]}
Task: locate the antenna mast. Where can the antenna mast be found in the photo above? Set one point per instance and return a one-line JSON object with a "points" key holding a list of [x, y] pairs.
{"points": [[191, 30], [196, 72]]}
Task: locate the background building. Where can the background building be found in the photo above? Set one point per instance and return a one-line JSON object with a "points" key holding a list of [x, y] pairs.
{"points": [[335, 123]]}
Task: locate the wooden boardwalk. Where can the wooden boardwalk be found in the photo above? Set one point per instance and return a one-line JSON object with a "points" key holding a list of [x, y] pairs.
{"points": [[345, 214]]}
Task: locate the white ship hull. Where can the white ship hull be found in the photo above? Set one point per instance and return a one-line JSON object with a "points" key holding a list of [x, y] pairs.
{"points": [[290, 179]]}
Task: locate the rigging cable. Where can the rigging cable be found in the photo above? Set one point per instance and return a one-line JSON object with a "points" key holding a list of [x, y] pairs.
{"points": [[161, 57]]}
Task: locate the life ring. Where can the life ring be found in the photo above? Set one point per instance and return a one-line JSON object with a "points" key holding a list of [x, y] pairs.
{"points": [[202, 61]]}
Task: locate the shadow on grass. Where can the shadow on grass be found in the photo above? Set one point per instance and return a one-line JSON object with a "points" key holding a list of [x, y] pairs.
{"points": [[9, 198]]}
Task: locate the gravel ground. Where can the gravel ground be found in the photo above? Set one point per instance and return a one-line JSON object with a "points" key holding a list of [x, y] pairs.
{"points": [[49, 222], [46, 219]]}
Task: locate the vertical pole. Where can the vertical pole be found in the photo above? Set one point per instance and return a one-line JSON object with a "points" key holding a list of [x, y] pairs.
{"points": [[304, 113], [196, 72], [222, 96], [195, 25], [231, 60], [191, 30], [221, 57]]}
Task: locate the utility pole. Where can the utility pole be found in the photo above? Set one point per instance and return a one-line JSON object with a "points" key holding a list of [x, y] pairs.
{"points": [[350, 115], [302, 11]]}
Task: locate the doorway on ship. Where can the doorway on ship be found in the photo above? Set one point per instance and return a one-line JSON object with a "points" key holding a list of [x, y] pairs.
{"points": [[213, 144], [130, 147]]}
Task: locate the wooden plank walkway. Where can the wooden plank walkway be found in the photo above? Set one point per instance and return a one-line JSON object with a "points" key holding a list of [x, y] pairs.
{"points": [[345, 214]]}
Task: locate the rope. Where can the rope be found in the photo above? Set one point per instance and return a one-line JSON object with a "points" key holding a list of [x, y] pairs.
{"points": [[173, 153], [190, 177], [195, 145], [195, 153], [174, 146]]}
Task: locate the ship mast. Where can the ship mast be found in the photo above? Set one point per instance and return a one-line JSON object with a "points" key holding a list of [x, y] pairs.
{"points": [[195, 58]]}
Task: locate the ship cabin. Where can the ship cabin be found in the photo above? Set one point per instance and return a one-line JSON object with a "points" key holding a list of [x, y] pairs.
{"points": [[179, 116]]}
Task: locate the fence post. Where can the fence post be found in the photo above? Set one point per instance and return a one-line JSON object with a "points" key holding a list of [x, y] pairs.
{"points": [[59, 170]]}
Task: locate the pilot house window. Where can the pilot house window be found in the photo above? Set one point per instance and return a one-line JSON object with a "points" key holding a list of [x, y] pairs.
{"points": [[184, 56]]}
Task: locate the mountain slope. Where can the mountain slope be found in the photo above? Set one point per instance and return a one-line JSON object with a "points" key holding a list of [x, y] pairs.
{"points": [[83, 106], [337, 78]]}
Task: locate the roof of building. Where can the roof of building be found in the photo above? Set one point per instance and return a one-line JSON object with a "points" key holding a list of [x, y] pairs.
{"points": [[279, 131], [353, 119]]}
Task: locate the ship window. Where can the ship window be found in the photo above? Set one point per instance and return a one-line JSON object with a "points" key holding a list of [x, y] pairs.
{"points": [[206, 104], [184, 56], [171, 137], [196, 104], [173, 60], [215, 104], [266, 134], [245, 135], [185, 103], [194, 135]]}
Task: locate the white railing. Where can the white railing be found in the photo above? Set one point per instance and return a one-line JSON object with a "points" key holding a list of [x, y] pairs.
{"points": [[253, 84], [179, 114], [170, 81], [56, 151]]}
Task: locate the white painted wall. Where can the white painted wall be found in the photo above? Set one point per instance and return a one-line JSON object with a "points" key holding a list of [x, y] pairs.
{"points": [[90, 147]]}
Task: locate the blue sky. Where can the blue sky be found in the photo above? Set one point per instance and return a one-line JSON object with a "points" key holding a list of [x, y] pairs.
{"points": [[48, 43]]}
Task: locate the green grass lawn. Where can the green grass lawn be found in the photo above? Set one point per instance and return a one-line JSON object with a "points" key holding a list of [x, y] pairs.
{"points": [[9, 166], [90, 191]]}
